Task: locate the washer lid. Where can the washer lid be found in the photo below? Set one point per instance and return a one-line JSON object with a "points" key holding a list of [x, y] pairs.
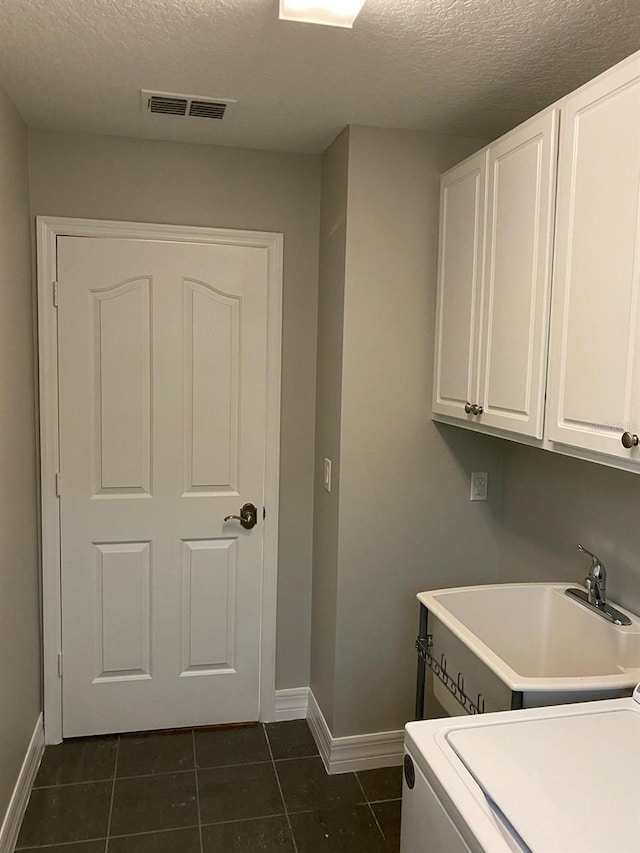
{"points": [[569, 783]]}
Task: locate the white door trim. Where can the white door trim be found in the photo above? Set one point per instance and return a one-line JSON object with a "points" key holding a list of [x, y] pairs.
{"points": [[49, 228]]}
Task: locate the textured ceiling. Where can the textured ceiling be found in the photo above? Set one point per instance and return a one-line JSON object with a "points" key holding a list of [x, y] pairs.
{"points": [[472, 67]]}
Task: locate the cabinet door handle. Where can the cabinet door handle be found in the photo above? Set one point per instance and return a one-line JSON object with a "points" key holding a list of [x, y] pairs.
{"points": [[476, 409], [467, 408], [629, 440]]}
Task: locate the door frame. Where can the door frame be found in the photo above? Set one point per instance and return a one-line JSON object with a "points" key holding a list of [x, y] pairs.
{"points": [[48, 229]]}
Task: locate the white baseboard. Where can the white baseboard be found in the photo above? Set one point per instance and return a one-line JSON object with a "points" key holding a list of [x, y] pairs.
{"points": [[20, 797], [319, 730], [291, 704], [355, 752]]}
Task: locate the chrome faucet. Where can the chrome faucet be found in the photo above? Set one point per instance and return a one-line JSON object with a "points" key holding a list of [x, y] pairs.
{"points": [[595, 597], [596, 580]]}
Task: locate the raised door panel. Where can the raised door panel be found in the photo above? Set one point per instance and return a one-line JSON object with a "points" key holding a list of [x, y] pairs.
{"points": [[122, 388], [212, 380], [209, 582], [462, 217], [594, 378], [517, 281], [123, 611]]}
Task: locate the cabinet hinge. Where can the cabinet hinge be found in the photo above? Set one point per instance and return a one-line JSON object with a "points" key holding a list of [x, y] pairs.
{"points": [[58, 492], [55, 294], [59, 664], [264, 513]]}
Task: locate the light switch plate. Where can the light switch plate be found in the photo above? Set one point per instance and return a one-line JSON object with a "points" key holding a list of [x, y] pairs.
{"points": [[327, 474], [479, 486]]}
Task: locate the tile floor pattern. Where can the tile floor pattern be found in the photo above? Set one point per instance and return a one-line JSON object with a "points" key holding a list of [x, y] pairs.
{"points": [[221, 790]]}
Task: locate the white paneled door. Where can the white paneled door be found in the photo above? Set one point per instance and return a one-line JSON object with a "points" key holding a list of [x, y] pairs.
{"points": [[162, 392]]}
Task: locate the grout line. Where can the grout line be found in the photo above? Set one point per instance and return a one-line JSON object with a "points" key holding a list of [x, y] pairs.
{"points": [[284, 804], [175, 829], [154, 831], [328, 807], [160, 773], [299, 758], [303, 811], [75, 784], [113, 792], [65, 844], [360, 785], [373, 814], [71, 785], [195, 764], [225, 766], [388, 800], [244, 819]]}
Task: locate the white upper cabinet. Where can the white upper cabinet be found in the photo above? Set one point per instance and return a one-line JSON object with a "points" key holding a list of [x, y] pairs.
{"points": [[494, 282], [517, 279], [594, 364], [462, 221]]}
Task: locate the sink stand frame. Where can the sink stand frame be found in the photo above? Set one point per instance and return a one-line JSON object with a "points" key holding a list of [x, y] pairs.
{"points": [[424, 644]]}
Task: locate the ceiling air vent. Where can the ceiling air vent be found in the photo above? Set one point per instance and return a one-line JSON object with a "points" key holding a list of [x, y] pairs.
{"points": [[207, 109], [168, 106], [184, 105]]}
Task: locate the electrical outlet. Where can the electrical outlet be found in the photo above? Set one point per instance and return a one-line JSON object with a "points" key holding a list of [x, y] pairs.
{"points": [[327, 474], [479, 486]]}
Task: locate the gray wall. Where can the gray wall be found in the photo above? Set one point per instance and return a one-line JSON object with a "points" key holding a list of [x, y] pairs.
{"points": [[20, 674], [333, 237], [112, 178], [398, 519], [405, 520], [551, 502]]}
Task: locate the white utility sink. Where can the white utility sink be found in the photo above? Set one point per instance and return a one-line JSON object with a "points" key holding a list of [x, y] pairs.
{"points": [[536, 638]]}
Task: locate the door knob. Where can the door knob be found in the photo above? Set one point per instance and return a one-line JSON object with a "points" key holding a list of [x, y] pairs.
{"points": [[476, 409], [629, 440], [467, 408], [248, 517]]}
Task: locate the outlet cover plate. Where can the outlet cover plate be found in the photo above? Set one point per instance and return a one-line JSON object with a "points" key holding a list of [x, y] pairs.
{"points": [[479, 486]]}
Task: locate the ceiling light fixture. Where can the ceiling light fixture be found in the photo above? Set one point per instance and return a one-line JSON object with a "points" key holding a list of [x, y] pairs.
{"points": [[330, 13]]}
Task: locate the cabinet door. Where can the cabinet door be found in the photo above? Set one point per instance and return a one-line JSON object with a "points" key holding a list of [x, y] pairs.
{"points": [[594, 376], [462, 219], [517, 280]]}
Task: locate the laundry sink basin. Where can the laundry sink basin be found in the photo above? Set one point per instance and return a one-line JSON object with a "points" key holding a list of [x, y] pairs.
{"points": [[536, 638]]}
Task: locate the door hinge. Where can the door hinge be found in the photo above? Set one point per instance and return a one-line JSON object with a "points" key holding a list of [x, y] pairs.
{"points": [[59, 664], [58, 492], [55, 294]]}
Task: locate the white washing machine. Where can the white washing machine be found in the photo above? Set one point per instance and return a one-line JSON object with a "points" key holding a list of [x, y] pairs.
{"points": [[563, 779]]}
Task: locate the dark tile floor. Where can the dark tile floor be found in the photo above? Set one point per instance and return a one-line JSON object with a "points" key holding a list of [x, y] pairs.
{"points": [[235, 789]]}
